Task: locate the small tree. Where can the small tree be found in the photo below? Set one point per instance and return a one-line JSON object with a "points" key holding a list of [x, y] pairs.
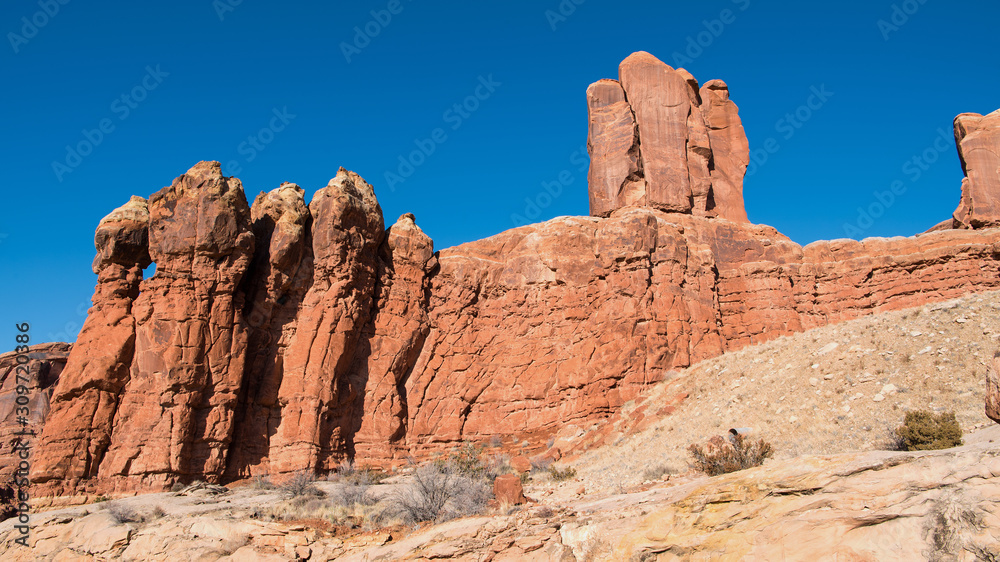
{"points": [[925, 431]]}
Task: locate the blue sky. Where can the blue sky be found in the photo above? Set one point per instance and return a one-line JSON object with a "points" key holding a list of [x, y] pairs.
{"points": [[291, 91]]}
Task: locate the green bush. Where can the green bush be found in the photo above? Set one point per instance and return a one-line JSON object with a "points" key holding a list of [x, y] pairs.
{"points": [[720, 456], [925, 431]]}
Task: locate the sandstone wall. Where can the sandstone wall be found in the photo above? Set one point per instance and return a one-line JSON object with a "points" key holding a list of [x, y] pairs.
{"points": [[282, 336]]}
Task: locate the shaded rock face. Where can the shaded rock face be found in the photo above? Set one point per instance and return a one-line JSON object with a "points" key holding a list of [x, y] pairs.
{"points": [[43, 369], [978, 140], [283, 337], [657, 140], [347, 230]]}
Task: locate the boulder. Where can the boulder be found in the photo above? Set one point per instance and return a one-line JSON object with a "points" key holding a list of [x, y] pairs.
{"points": [[507, 490]]}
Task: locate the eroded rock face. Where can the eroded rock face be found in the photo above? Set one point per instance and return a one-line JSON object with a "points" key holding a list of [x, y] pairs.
{"points": [[176, 411], [281, 273], [347, 230], [39, 375], [657, 140], [393, 339], [283, 337], [978, 140], [85, 402]]}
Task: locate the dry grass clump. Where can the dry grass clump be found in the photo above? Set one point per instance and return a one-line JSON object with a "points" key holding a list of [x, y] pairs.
{"points": [[925, 431], [353, 474], [561, 475], [721, 456]]}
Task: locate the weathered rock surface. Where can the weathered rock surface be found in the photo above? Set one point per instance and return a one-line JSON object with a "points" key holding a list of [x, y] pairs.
{"points": [[508, 490], [657, 140], [282, 273], [316, 390], [284, 338], [175, 413], [78, 430], [393, 339], [39, 375], [993, 390], [931, 505], [978, 140]]}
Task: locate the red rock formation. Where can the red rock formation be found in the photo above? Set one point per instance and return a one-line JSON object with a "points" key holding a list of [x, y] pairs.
{"points": [[175, 413], [508, 490], [978, 140], [730, 151], [45, 365], [281, 273], [613, 142], [347, 230], [658, 141], [284, 338], [393, 338], [78, 429]]}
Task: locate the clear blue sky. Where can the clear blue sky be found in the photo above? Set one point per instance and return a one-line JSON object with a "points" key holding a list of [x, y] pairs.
{"points": [[217, 80]]}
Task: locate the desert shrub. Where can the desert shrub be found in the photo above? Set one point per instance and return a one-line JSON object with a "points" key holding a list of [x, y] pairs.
{"points": [[438, 492], [351, 473], [123, 513], [721, 456], [101, 499], [541, 464], [657, 472], [468, 460], [158, 512], [262, 482], [302, 484], [925, 431], [560, 475]]}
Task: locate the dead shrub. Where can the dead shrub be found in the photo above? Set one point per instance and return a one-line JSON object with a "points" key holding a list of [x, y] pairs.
{"points": [[350, 473], [302, 484], [721, 456], [262, 482], [124, 514], [925, 431], [439, 492]]}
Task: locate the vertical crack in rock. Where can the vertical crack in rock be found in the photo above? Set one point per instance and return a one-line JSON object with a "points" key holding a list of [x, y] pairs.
{"points": [[279, 276], [347, 229], [659, 96], [613, 142], [376, 421]]}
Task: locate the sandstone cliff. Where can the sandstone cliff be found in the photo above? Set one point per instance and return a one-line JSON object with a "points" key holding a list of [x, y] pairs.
{"points": [[285, 337]]}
